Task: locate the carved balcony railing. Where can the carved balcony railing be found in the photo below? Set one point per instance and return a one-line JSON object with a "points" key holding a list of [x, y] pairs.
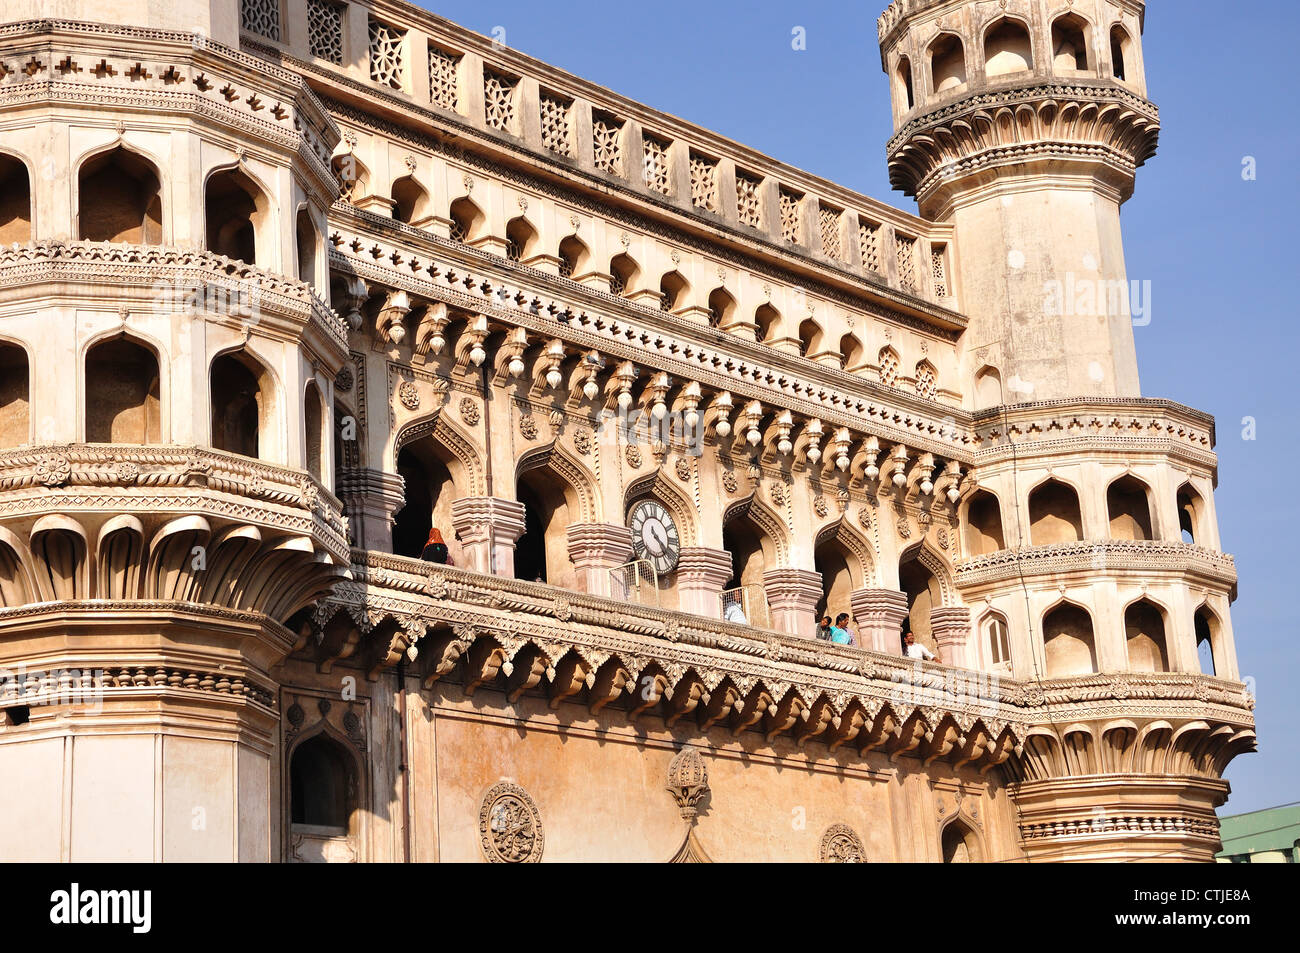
{"points": [[1109, 556]]}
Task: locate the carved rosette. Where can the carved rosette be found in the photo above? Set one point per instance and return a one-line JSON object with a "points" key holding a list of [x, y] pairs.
{"points": [[842, 845], [510, 826]]}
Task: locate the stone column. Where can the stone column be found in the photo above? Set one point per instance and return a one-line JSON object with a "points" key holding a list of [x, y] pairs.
{"points": [[879, 614], [371, 497], [792, 597], [950, 626], [701, 574], [487, 528], [595, 549]]}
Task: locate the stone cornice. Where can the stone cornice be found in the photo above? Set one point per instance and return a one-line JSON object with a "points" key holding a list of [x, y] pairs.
{"points": [[1108, 557]]}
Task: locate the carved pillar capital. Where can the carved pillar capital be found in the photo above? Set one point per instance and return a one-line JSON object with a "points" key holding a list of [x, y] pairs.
{"points": [[950, 626], [487, 528], [370, 497], [595, 549], [792, 597], [879, 614], [701, 574]]}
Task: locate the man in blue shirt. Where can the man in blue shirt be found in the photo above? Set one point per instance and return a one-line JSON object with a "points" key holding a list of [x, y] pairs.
{"points": [[840, 630]]}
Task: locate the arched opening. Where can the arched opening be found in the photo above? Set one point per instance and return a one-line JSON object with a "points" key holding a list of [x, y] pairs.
{"points": [[122, 393], [752, 554], [924, 595], [574, 257], [410, 201], [768, 321], [1007, 49], [237, 216], [308, 244], [15, 396], [1054, 515], [623, 275], [15, 202], [887, 361], [837, 565], [984, 524], [903, 85], [1119, 52], [313, 415], [542, 552], [521, 239], [852, 354], [960, 845], [1070, 44], [466, 221], [430, 490], [1068, 642], [927, 380], [997, 643], [672, 291], [1189, 513], [1128, 508], [947, 62], [988, 387], [352, 176], [810, 338], [322, 786], [243, 406], [1144, 631], [1206, 625], [722, 307], [119, 199]]}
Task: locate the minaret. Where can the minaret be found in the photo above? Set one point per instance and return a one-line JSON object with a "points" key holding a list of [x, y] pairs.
{"points": [[1024, 128]]}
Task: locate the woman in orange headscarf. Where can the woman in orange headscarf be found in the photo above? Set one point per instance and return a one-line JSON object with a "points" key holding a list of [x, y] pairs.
{"points": [[435, 550]]}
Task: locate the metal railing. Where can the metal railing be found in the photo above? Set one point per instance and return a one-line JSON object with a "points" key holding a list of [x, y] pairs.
{"points": [[637, 581], [746, 605]]}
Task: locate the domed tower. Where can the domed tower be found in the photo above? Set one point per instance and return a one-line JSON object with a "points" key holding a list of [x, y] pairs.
{"points": [[1090, 544], [1023, 124]]}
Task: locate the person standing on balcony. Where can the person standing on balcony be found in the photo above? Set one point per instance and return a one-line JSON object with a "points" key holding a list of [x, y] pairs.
{"points": [[824, 628], [914, 649], [435, 550], [840, 633]]}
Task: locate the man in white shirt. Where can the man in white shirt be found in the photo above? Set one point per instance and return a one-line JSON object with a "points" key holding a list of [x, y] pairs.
{"points": [[914, 649]]}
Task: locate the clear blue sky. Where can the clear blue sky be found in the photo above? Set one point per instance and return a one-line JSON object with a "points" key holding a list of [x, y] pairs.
{"points": [[1220, 252]]}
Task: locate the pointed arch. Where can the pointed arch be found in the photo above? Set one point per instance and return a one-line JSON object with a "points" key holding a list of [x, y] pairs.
{"points": [[846, 563], [960, 843], [467, 221], [982, 516], [1121, 49], [326, 783], [119, 197], [1069, 641], [459, 450], [575, 257], [947, 56], [673, 291], [624, 275], [15, 393], [995, 641], [307, 238], [565, 495], [768, 322], [722, 308], [244, 400], [411, 202], [521, 239], [1145, 626], [578, 480], [811, 337], [1128, 507], [122, 392], [887, 363], [1208, 628], [15, 200], [1054, 513], [853, 356], [1071, 44], [238, 216], [1190, 509], [904, 95], [988, 387], [768, 522], [1007, 47]]}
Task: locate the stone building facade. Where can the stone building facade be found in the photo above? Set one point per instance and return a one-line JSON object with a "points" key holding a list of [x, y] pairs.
{"points": [[286, 284]]}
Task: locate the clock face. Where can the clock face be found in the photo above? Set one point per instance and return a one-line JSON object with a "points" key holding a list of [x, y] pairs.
{"points": [[654, 535]]}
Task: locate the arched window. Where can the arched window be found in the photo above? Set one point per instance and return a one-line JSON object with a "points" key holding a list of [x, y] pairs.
{"points": [[1006, 49], [988, 387], [122, 388], [887, 360], [852, 353], [308, 245], [15, 395], [574, 257], [1068, 642], [1129, 511], [752, 554], [842, 572], [903, 85], [984, 524], [927, 380], [1070, 44], [15, 202], [542, 552], [672, 291], [313, 415], [947, 63], [768, 321], [722, 307], [521, 239], [352, 176], [1054, 515], [119, 199], [1206, 625], [410, 201], [466, 221], [430, 490], [924, 595], [810, 338], [960, 845], [997, 643], [322, 786], [1119, 52], [1189, 513], [243, 411], [623, 274], [1144, 631], [238, 217]]}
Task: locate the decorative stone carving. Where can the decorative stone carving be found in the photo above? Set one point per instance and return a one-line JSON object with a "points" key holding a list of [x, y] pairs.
{"points": [[53, 469], [842, 845], [528, 427], [409, 395], [582, 441], [633, 455], [683, 468], [469, 411], [729, 481], [688, 781], [510, 826], [343, 380], [820, 506]]}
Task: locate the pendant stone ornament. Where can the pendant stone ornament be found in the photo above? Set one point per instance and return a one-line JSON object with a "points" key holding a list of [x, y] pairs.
{"points": [[510, 826]]}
